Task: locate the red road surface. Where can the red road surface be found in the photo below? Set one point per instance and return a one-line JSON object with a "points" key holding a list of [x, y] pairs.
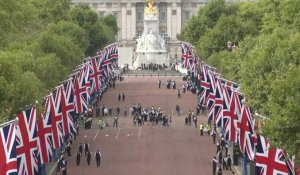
{"points": [[146, 150]]}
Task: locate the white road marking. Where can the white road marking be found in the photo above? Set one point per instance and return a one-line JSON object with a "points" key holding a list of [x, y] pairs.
{"points": [[96, 134], [118, 133], [139, 133]]}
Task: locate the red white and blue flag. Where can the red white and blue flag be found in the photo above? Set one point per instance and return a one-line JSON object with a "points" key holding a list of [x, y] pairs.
{"points": [[211, 95], [245, 133], [81, 95], [67, 108], [27, 142], [187, 55], [205, 85], [95, 74], [269, 161], [229, 115], [56, 119], [8, 160], [44, 130], [218, 110]]}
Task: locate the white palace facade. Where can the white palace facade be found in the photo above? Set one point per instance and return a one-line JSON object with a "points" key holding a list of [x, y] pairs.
{"points": [[173, 14]]}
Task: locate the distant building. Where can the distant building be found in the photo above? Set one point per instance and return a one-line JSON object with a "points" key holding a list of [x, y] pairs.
{"points": [[173, 14]]}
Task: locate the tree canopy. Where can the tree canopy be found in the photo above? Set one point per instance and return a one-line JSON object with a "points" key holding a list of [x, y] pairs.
{"points": [[265, 62], [41, 42]]}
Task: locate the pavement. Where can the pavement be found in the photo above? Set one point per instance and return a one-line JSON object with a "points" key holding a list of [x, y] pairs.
{"points": [[147, 150]]}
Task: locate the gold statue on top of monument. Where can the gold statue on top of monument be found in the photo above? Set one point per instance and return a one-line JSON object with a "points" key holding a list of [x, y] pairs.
{"points": [[150, 9]]}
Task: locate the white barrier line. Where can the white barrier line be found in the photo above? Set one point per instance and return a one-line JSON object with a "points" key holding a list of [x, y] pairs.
{"points": [[118, 133], [96, 134], [139, 133]]}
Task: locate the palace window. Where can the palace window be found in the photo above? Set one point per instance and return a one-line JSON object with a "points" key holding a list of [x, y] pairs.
{"points": [[186, 15], [101, 13], [162, 16], [174, 12], [140, 16]]}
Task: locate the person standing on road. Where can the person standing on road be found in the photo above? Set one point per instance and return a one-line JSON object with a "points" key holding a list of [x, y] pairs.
{"points": [[123, 97], [178, 93], [214, 134], [78, 156], [228, 162], [119, 97], [89, 156], [159, 84], [201, 129], [98, 157], [177, 110], [116, 121], [86, 148], [80, 148], [214, 163]]}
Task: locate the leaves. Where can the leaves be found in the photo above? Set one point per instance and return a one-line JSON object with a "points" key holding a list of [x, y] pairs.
{"points": [[265, 63], [41, 42]]}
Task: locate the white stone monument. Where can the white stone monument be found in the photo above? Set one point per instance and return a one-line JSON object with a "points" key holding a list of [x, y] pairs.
{"points": [[151, 46]]}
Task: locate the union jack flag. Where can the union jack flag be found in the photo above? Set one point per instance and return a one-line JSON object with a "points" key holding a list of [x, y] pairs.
{"points": [[187, 56], [107, 64], [229, 115], [205, 85], [8, 160], [219, 103], [211, 95], [113, 51], [245, 133], [290, 162], [56, 116], [81, 95], [95, 74], [269, 161], [67, 108], [27, 143], [44, 130]]}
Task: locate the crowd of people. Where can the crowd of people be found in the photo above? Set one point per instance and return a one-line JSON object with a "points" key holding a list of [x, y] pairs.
{"points": [[151, 115], [67, 150], [153, 66], [222, 161]]}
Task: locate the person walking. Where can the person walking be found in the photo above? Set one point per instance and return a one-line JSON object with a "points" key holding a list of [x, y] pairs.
{"points": [[219, 170], [214, 163], [177, 110], [195, 119], [86, 148], [201, 127], [228, 162], [116, 121], [89, 156], [123, 97], [98, 157], [68, 149], [80, 148], [214, 134], [119, 97], [159, 84], [178, 93], [64, 167], [78, 156], [118, 111]]}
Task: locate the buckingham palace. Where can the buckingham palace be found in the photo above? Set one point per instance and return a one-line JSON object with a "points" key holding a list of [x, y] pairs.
{"points": [[172, 15]]}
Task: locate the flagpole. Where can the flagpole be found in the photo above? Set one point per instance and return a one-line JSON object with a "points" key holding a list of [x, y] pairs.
{"points": [[256, 114], [229, 81], [9, 122]]}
